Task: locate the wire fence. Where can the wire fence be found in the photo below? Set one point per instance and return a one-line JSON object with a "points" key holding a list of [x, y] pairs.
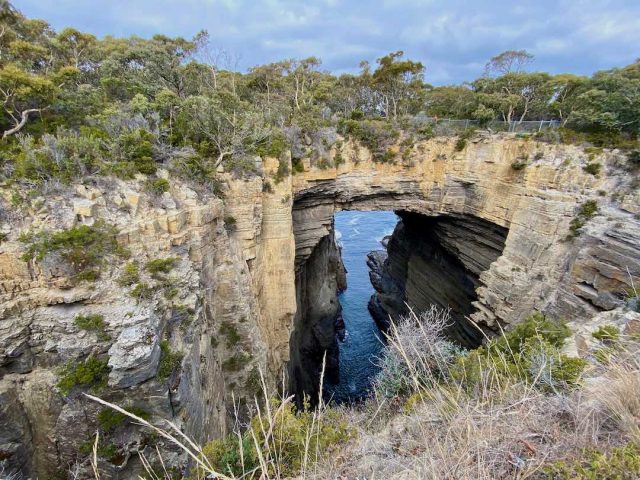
{"points": [[445, 126]]}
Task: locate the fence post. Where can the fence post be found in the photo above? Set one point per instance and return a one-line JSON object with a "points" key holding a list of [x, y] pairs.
{"points": [[540, 127]]}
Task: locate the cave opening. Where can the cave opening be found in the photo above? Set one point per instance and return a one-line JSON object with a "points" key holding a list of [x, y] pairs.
{"points": [[364, 274]]}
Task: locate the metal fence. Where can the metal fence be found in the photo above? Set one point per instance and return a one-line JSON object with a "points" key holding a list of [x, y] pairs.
{"points": [[445, 126]]}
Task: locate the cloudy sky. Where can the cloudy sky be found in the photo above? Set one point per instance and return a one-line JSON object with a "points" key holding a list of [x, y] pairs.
{"points": [[453, 38]]}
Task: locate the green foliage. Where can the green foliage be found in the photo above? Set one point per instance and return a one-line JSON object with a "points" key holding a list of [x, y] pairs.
{"points": [[236, 362], [620, 463], [531, 353], [93, 323], [230, 223], [587, 211], [93, 373], [289, 432], [130, 274], [142, 291], [83, 247], [109, 419], [607, 333], [229, 454], [170, 361], [275, 146], [593, 168], [461, 142], [161, 266], [376, 135], [157, 186], [230, 331], [518, 165], [283, 170]]}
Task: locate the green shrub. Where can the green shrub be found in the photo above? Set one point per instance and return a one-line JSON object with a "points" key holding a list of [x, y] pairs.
{"points": [[169, 361], [297, 166], [286, 447], [230, 223], [230, 331], [530, 352], [587, 210], [607, 333], [267, 187], [130, 274], [593, 168], [621, 463], [225, 455], [274, 147], [93, 323], [83, 247], [93, 373], [157, 186], [283, 170], [376, 135], [236, 362], [141, 291], [338, 159], [109, 419], [518, 165], [160, 265], [460, 145]]}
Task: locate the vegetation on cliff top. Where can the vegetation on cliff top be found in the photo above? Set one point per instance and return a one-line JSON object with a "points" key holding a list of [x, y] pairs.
{"points": [[75, 105]]}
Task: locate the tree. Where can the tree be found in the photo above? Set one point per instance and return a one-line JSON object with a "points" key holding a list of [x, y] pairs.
{"points": [[515, 95], [22, 94], [510, 61], [76, 47], [399, 81], [231, 132]]}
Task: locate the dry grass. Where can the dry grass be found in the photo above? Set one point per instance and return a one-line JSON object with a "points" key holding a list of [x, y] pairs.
{"points": [[434, 426]]}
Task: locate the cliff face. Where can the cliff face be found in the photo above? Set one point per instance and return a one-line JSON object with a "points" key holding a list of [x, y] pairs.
{"points": [[222, 314], [435, 261], [528, 210], [479, 236], [254, 283]]}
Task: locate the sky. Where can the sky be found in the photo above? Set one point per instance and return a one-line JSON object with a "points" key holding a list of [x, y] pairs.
{"points": [[453, 38]]}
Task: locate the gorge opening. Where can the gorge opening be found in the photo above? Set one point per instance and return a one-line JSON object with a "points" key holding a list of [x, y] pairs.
{"points": [[350, 285]]}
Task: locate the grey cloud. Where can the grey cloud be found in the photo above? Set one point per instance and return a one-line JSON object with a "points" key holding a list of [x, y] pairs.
{"points": [[453, 39]]}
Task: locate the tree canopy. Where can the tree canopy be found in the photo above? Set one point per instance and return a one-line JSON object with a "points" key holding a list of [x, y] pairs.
{"points": [[128, 103]]}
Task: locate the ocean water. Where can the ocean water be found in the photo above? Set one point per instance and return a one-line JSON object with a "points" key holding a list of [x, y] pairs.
{"points": [[358, 233]]}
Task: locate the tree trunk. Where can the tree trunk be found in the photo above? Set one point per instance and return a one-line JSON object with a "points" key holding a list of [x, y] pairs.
{"points": [[23, 121]]}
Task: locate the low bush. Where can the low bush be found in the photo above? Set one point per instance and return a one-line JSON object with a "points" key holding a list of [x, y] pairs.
{"points": [[288, 441], [130, 274], [607, 333], [141, 291], [109, 419], [93, 323], [230, 332], [93, 373], [618, 463], [157, 186], [161, 265], [587, 210], [170, 361], [593, 168], [83, 247]]}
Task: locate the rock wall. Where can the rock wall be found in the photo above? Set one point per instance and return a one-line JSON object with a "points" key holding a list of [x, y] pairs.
{"points": [[224, 312], [508, 246], [435, 260], [539, 268]]}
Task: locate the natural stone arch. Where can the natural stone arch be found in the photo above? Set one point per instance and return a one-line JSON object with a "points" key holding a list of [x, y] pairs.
{"points": [[538, 270]]}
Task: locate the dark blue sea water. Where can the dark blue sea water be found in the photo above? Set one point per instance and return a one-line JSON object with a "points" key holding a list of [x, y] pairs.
{"points": [[358, 233]]}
